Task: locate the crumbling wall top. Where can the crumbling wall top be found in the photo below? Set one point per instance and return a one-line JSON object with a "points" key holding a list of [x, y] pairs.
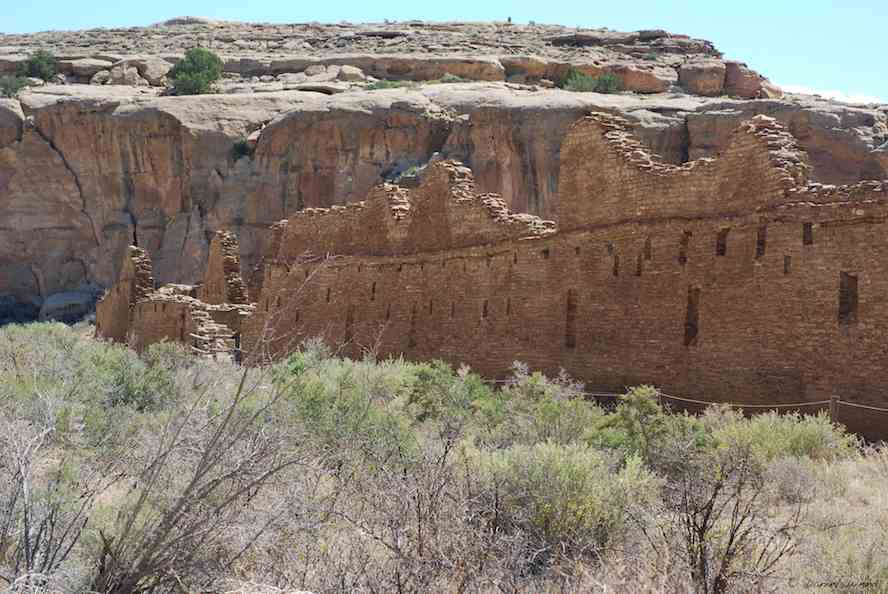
{"points": [[607, 176], [444, 212], [223, 282]]}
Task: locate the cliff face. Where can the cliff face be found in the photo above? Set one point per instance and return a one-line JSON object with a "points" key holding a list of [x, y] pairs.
{"points": [[88, 169]]}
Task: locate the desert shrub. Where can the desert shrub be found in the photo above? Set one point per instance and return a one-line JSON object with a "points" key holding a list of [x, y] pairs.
{"points": [[241, 149], [774, 435], [532, 408], [449, 78], [341, 405], [437, 393], [639, 425], [41, 64], [196, 72], [388, 84], [10, 86], [564, 498], [578, 81], [724, 506]]}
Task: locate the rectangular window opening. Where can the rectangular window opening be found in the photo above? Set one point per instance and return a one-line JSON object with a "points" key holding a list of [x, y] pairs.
{"points": [[411, 336], [616, 265], [638, 265], [484, 310], [847, 298], [761, 240], [787, 264], [808, 234], [721, 243], [648, 249], [570, 330], [349, 322], [692, 318], [683, 248]]}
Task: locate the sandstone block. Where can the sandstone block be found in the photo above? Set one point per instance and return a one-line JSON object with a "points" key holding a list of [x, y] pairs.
{"points": [[123, 73], [742, 81], [150, 68], [101, 77], [350, 74], [703, 77], [11, 121], [83, 67]]}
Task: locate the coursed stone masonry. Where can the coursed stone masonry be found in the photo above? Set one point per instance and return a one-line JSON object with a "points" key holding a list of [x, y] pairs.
{"points": [[727, 279]]}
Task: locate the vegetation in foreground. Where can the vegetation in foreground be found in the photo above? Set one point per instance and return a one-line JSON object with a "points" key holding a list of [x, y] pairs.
{"points": [[167, 473]]}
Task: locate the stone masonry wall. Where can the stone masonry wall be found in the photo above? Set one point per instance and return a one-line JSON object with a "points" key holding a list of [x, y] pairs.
{"points": [[607, 177], [747, 287], [114, 311], [222, 281]]}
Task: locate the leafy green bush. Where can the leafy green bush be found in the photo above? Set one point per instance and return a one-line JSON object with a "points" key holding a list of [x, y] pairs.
{"points": [[774, 436], [10, 86], [196, 72], [389, 84], [342, 405], [584, 83], [532, 409], [609, 83], [449, 78], [241, 149], [640, 426], [41, 64], [569, 498]]}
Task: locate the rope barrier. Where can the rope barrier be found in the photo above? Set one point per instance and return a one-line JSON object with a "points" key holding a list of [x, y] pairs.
{"points": [[731, 404], [734, 404], [866, 406]]}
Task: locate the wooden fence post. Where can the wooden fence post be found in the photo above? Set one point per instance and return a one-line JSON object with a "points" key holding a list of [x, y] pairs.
{"points": [[834, 409]]}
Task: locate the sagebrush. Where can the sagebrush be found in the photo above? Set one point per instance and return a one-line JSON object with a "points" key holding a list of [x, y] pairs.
{"points": [[162, 472]]}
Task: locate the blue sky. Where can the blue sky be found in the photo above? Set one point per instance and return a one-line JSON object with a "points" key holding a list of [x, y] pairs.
{"points": [[818, 45]]}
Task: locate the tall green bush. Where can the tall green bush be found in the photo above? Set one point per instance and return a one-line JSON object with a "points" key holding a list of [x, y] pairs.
{"points": [[41, 64], [10, 86], [581, 82], [567, 498], [196, 72]]}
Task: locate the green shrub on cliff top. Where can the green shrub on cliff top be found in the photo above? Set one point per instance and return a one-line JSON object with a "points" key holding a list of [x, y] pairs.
{"points": [[584, 83], [196, 72], [10, 86], [41, 64]]}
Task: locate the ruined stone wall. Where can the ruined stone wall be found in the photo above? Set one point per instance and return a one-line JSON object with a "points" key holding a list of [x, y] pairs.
{"points": [[745, 285], [767, 318], [133, 311], [114, 311], [222, 281], [443, 212], [607, 177], [156, 320]]}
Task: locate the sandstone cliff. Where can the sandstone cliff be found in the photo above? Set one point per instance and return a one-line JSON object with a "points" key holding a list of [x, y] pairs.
{"points": [[88, 169]]}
